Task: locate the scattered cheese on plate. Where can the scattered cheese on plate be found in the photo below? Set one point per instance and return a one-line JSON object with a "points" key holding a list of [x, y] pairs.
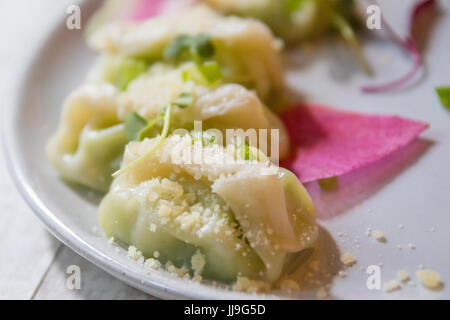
{"points": [[377, 234], [429, 278], [348, 259], [391, 285], [402, 275]]}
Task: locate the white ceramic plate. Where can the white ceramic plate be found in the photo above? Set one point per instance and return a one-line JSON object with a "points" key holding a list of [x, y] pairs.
{"points": [[410, 188]]}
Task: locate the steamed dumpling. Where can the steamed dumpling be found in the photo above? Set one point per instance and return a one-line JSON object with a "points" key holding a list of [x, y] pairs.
{"points": [[228, 106], [88, 145], [245, 49], [293, 21], [242, 221]]}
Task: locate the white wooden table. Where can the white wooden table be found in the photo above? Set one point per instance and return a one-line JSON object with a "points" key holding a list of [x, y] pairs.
{"points": [[32, 263]]}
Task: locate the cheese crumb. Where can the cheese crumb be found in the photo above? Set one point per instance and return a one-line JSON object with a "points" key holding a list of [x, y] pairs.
{"points": [[377, 234], [289, 285], [348, 259], [429, 278], [152, 264], [165, 211], [135, 254], [391, 285], [245, 284], [402, 275], [198, 262]]}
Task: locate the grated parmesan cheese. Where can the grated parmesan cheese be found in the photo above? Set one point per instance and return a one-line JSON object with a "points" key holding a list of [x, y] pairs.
{"points": [[429, 278], [402, 275], [348, 259], [198, 263], [289, 285], [244, 284], [391, 285], [378, 235]]}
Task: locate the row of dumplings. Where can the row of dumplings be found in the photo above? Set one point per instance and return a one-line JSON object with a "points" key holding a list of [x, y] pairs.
{"points": [[118, 130]]}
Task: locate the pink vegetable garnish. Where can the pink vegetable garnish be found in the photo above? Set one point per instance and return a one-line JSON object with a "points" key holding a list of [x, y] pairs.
{"points": [[327, 142], [144, 9], [409, 44]]}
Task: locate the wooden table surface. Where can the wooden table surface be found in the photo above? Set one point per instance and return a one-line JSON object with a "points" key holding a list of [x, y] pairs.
{"points": [[33, 263]]}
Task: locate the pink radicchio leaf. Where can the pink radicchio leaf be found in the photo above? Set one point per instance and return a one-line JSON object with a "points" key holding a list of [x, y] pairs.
{"points": [[409, 44], [327, 142], [145, 9]]}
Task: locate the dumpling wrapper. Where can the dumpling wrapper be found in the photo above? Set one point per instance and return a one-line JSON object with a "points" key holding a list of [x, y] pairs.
{"points": [[274, 216], [245, 48], [228, 106], [88, 145], [310, 19]]}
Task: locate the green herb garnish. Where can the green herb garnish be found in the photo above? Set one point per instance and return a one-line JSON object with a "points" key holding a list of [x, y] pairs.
{"points": [[328, 184], [198, 47], [184, 100], [137, 127], [164, 133], [293, 5], [347, 33], [444, 96], [177, 47], [134, 125], [245, 152], [203, 46]]}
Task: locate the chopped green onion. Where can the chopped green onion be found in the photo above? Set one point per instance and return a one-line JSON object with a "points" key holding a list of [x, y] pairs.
{"points": [[211, 72], [444, 96], [193, 74], [208, 73], [121, 71], [162, 137], [184, 100], [328, 184]]}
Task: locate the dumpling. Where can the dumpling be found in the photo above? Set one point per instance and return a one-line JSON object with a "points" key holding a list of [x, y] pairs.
{"points": [[227, 106], [88, 145], [293, 21], [244, 48], [242, 220]]}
